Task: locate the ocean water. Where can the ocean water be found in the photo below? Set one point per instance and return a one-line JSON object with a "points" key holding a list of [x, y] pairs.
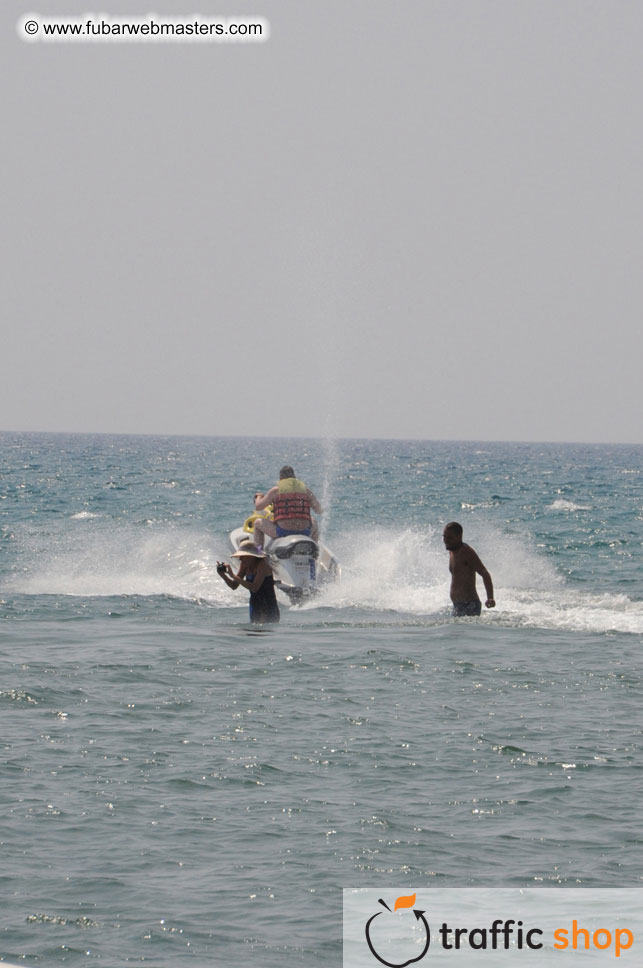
{"points": [[180, 788]]}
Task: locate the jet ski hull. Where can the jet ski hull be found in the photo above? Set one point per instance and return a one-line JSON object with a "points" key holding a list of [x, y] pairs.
{"points": [[300, 566]]}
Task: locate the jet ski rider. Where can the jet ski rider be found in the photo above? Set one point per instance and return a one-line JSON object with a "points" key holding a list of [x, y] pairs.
{"points": [[291, 501]]}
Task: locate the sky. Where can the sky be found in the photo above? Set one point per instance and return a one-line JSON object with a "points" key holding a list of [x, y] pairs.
{"points": [[414, 219]]}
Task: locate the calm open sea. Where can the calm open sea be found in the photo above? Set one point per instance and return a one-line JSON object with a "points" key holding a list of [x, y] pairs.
{"points": [[179, 788]]}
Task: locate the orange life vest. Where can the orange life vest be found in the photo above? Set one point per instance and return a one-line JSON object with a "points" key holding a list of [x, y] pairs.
{"points": [[292, 500]]}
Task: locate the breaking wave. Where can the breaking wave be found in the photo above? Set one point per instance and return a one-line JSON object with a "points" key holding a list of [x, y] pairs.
{"points": [[403, 574], [563, 505]]}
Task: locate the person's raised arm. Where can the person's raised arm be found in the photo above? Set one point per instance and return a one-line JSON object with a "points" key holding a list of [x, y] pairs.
{"points": [[488, 584], [225, 571], [260, 575], [314, 503], [263, 500]]}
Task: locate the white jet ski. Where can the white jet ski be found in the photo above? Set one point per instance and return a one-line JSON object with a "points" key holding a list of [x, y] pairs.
{"points": [[300, 565]]}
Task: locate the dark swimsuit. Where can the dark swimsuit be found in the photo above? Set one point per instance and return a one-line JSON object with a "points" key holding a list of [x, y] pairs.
{"points": [[460, 609], [263, 603]]}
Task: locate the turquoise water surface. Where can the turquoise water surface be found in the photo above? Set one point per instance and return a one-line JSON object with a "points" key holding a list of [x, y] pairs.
{"points": [[178, 787]]}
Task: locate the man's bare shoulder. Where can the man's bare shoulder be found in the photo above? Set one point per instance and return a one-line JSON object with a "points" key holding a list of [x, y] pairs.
{"points": [[473, 559], [468, 554]]}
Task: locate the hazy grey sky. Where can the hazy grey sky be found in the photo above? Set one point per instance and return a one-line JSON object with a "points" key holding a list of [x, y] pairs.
{"points": [[392, 219]]}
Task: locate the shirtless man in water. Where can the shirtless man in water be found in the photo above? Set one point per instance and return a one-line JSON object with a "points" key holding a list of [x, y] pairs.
{"points": [[463, 565]]}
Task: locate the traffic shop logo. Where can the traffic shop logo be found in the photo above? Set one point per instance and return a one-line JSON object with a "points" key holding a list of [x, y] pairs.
{"points": [[391, 939], [371, 926]]}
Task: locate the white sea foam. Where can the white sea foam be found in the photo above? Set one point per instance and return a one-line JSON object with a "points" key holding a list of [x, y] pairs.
{"points": [[407, 573], [125, 561], [562, 505], [572, 611], [383, 571], [387, 571]]}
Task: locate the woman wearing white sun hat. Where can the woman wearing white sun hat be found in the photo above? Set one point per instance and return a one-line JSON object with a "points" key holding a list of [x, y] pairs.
{"points": [[255, 574]]}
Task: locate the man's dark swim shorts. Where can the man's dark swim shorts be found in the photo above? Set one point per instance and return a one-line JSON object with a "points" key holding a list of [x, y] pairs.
{"points": [[460, 609]]}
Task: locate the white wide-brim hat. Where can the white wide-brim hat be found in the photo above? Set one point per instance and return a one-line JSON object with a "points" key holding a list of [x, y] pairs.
{"points": [[248, 548]]}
